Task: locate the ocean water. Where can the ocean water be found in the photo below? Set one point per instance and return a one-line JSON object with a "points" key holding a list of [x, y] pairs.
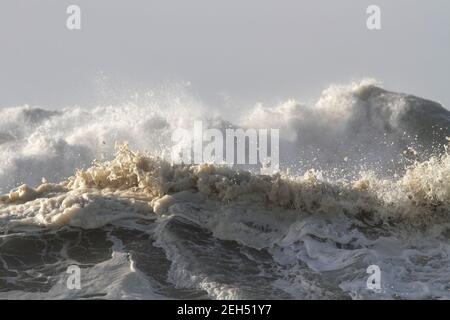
{"points": [[364, 180]]}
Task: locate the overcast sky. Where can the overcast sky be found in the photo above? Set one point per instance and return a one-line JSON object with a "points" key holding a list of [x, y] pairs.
{"points": [[246, 50]]}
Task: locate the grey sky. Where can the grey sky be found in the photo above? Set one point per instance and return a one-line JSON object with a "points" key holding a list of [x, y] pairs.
{"points": [[249, 50]]}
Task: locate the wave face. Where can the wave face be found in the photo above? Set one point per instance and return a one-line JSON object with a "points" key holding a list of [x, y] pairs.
{"points": [[365, 181]]}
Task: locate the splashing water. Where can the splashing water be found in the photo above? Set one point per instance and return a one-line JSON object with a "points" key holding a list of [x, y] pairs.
{"points": [[365, 181]]}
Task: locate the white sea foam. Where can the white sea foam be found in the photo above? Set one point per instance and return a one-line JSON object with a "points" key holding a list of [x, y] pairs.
{"points": [[366, 180]]}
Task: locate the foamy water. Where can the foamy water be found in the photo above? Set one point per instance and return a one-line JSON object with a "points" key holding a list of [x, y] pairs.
{"points": [[364, 181]]}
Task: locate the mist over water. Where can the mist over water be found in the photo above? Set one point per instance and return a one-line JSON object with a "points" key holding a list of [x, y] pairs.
{"points": [[364, 180]]}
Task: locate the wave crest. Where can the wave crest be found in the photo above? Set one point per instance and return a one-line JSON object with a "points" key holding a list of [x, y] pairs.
{"points": [[422, 193]]}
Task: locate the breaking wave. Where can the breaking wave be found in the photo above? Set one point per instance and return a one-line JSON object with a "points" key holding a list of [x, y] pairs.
{"points": [[365, 180]]}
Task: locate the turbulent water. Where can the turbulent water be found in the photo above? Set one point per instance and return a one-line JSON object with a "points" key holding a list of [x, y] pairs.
{"points": [[365, 180]]}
